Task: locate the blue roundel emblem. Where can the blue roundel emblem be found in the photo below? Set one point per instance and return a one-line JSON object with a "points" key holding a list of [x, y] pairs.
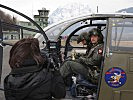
{"points": [[115, 77]]}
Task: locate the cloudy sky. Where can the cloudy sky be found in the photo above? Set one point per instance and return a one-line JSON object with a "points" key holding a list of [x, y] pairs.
{"points": [[30, 7]]}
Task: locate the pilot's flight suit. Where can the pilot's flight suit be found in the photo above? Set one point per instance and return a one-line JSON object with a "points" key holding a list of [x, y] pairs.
{"points": [[83, 64]]}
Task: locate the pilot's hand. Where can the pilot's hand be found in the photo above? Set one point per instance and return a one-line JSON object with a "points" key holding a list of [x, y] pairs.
{"points": [[82, 59]]}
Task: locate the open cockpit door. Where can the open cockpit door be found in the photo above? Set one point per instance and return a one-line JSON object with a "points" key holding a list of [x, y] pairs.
{"points": [[69, 38]]}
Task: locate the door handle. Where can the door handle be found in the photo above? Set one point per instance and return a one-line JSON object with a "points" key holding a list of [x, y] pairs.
{"points": [[107, 52]]}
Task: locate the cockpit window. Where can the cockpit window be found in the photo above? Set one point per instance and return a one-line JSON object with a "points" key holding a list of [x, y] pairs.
{"points": [[54, 31], [122, 35]]}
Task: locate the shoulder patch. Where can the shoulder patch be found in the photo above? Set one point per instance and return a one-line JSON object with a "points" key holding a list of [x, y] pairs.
{"points": [[100, 51]]}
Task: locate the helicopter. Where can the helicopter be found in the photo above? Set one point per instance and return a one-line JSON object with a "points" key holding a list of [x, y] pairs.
{"points": [[59, 39]]}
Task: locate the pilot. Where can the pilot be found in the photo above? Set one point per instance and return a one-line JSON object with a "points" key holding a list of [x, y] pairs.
{"points": [[84, 38], [93, 57], [30, 77]]}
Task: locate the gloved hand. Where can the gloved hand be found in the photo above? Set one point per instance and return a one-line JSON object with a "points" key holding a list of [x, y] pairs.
{"points": [[81, 60]]}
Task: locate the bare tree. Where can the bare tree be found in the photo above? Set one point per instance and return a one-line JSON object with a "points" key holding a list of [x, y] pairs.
{"points": [[8, 19]]}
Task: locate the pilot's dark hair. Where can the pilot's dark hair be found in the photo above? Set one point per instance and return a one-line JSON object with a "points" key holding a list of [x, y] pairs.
{"points": [[27, 48]]}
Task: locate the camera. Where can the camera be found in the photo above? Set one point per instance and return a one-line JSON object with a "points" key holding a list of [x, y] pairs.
{"points": [[52, 53]]}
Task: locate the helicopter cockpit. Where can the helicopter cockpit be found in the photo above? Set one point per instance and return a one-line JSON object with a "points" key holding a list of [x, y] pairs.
{"points": [[59, 41], [63, 39]]}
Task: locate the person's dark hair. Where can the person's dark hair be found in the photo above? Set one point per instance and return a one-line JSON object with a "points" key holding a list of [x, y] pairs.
{"points": [[27, 48]]}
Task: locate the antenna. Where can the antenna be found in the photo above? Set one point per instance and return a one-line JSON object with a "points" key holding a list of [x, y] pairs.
{"points": [[97, 9]]}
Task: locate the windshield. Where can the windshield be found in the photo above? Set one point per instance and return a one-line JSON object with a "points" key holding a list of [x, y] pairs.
{"points": [[53, 32]]}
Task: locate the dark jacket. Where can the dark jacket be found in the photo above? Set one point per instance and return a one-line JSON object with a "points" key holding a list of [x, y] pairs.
{"points": [[32, 82], [92, 61], [93, 56]]}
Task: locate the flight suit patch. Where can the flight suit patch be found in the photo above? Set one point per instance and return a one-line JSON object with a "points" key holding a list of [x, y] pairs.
{"points": [[100, 51]]}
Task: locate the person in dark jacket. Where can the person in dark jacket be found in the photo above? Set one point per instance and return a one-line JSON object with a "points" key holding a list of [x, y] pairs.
{"points": [[93, 56], [30, 77]]}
